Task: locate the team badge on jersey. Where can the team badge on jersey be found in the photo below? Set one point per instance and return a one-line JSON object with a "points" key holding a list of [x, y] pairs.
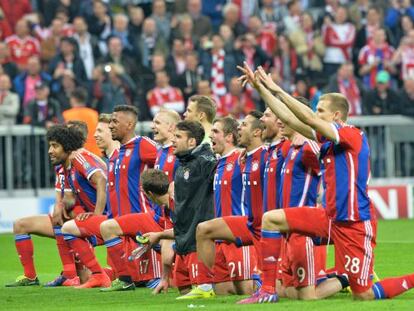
{"points": [[255, 166], [274, 154], [229, 167], [128, 153], [170, 158], [111, 167], [186, 174], [294, 152], [86, 165]]}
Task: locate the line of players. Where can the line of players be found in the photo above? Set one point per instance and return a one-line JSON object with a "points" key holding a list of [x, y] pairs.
{"points": [[244, 184]]}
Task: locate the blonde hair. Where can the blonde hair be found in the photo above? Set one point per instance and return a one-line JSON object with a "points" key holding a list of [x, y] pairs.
{"points": [[337, 102]]}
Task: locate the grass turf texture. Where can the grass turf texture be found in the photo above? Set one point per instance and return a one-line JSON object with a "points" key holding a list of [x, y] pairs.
{"points": [[394, 257]]}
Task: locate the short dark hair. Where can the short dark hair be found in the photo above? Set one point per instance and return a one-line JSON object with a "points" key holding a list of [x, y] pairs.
{"points": [[155, 181], [303, 100], [205, 104], [230, 126], [80, 126], [70, 138], [193, 129], [80, 94], [257, 124], [127, 109]]}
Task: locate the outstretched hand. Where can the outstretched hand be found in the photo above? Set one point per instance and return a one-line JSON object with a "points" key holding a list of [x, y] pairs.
{"points": [[247, 76], [267, 80]]}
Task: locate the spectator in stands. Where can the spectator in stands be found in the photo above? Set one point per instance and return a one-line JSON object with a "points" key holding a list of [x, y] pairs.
{"points": [[187, 81], [88, 44], [358, 13], [219, 66], [5, 29], [67, 85], [214, 10], [250, 52], [100, 23], [265, 36], [286, 63], [162, 18], [203, 88], [151, 42], [382, 99], [231, 14], [9, 102], [79, 112], [227, 35], [404, 57], [164, 95], [291, 21], [67, 58], [42, 110], [116, 88], [50, 39], [120, 30], [339, 37], [247, 9], [176, 60], [235, 103], [309, 46], [201, 24], [15, 10], [374, 57], [272, 13], [116, 56], [366, 32], [346, 83], [407, 98], [395, 11], [22, 45], [6, 66], [184, 31], [136, 19], [24, 83]]}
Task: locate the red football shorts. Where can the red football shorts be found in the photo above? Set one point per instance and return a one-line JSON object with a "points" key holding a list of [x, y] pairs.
{"points": [[189, 271], [302, 261], [354, 242], [238, 226], [90, 228], [137, 224], [234, 263]]}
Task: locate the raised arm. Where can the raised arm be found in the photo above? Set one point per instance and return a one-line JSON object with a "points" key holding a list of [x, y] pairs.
{"points": [[278, 108]]}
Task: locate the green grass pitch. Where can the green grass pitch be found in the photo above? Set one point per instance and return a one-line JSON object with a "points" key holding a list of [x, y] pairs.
{"points": [[394, 256]]}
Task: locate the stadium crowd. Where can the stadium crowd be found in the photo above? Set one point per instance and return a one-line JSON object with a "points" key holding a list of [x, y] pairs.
{"points": [[157, 53]]}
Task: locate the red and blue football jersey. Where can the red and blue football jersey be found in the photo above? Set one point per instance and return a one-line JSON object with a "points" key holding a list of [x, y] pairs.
{"points": [[345, 169], [228, 186], [82, 166], [300, 176], [252, 196], [271, 180], [112, 201], [166, 161], [134, 157]]}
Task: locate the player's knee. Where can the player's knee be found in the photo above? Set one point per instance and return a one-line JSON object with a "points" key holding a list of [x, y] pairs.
{"points": [[272, 220], [70, 227], [108, 228], [203, 230], [19, 226]]}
